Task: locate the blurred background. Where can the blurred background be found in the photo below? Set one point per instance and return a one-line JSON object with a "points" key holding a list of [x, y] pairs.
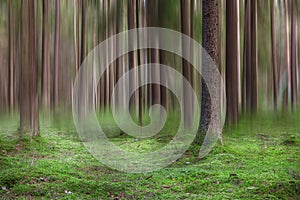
{"points": [[42, 44]]}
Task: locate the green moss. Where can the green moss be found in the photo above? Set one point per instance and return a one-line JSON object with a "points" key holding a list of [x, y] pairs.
{"points": [[259, 160]]}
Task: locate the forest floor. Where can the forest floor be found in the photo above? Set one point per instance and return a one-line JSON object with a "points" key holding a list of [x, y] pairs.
{"points": [[259, 160]]}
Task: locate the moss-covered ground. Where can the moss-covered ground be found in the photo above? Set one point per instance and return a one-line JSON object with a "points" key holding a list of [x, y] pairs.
{"points": [[260, 159]]}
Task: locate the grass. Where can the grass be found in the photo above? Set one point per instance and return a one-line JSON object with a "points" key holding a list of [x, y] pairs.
{"points": [[259, 160]]}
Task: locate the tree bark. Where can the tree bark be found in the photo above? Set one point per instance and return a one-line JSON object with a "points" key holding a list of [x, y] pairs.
{"points": [[210, 44], [232, 61]]}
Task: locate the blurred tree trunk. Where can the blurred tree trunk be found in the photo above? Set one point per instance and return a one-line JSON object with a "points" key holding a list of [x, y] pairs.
{"points": [[111, 32], [75, 35], [95, 57], [163, 21], [11, 81], [45, 57], [246, 92], [294, 56], [132, 55], [222, 45], [210, 44], [29, 118], [288, 67], [56, 53], [274, 55], [186, 67], [144, 53], [82, 50], [118, 60], [106, 76], [232, 61], [152, 21], [254, 55], [103, 78], [250, 96], [140, 91]]}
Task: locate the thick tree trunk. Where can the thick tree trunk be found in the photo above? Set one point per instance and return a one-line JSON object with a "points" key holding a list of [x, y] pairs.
{"points": [[232, 61], [210, 44], [29, 120]]}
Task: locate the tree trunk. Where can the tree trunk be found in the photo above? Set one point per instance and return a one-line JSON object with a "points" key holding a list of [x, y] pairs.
{"points": [[210, 44], [250, 58], [29, 120], [140, 91], [56, 53], [294, 56], [82, 50], [274, 55], [152, 14], [186, 67], [253, 55], [162, 54], [232, 61], [288, 67], [45, 57], [11, 81], [132, 55], [75, 36], [247, 59]]}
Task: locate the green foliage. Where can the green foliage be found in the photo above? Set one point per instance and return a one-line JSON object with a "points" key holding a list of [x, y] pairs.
{"points": [[260, 160]]}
